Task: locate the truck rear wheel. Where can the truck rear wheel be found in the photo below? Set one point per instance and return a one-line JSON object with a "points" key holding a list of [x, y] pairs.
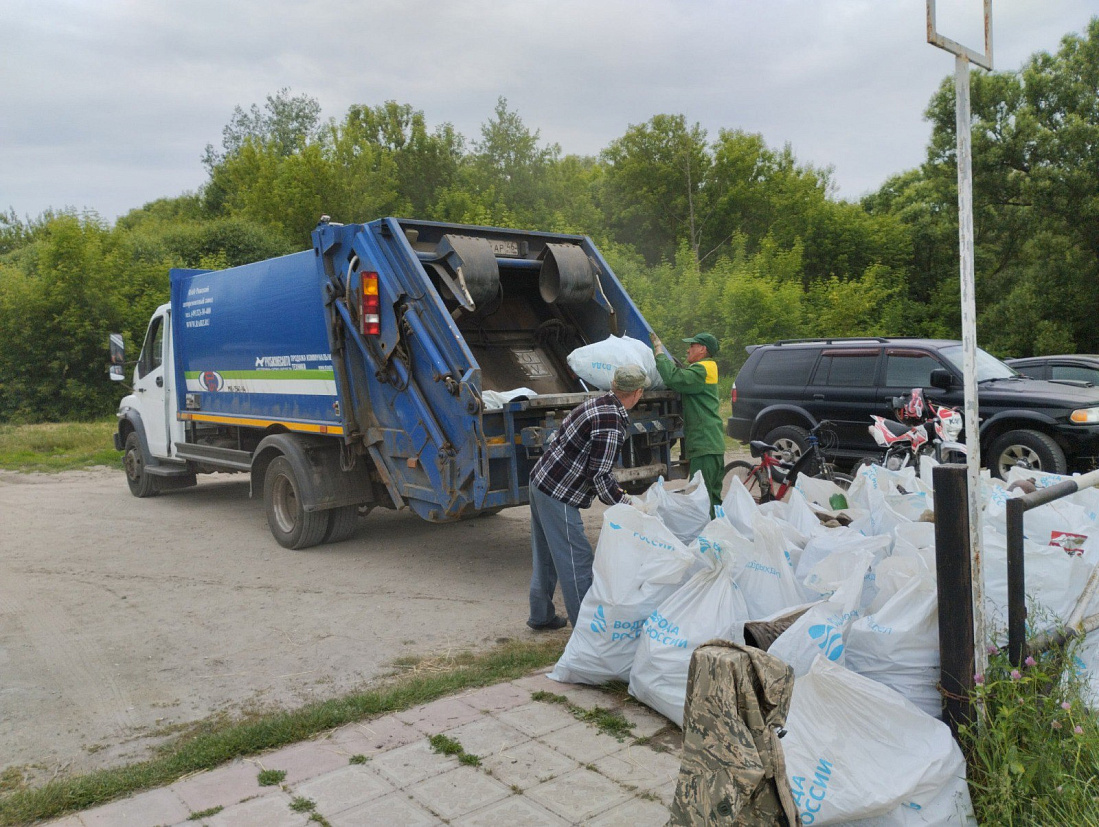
{"points": [[342, 522], [133, 463], [292, 526]]}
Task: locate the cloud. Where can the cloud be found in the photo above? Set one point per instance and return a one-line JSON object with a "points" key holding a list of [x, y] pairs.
{"points": [[108, 105]]}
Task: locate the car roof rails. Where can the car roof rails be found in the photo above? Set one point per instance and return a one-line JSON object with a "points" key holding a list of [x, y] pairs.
{"points": [[833, 340]]}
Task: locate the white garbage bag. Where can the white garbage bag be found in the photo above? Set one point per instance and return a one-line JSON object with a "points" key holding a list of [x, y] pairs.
{"points": [[760, 567], [638, 564], [823, 628], [897, 642], [916, 540], [739, 508], [709, 605], [685, 512], [855, 749], [597, 362], [843, 538], [494, 400], [1054, 581]]}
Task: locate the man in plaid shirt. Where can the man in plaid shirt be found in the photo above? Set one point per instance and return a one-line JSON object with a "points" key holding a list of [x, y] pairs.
{"points": [[567, 477]]}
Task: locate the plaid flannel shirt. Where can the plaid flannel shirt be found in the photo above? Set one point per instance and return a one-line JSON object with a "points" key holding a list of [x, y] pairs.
{"points": [[578, 461]]}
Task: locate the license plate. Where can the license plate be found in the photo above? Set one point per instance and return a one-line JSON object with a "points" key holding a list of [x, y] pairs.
{"points": [[504, 248]]}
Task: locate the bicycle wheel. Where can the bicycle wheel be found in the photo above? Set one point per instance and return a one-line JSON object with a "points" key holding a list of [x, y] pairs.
{"points": [[843, 480], [748, 474]]}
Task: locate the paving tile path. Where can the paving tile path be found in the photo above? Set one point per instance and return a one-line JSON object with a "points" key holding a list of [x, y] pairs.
{"points": [[539, 765]]}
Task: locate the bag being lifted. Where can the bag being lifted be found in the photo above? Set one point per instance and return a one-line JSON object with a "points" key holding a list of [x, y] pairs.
{"points": [[597, 362], [638, 564]]}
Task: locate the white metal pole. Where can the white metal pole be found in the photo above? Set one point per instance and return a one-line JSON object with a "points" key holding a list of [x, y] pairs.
{"points": [[969, 349]]}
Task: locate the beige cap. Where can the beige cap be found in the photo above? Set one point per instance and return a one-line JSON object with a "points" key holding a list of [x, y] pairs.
{"points": [[630, 378]]}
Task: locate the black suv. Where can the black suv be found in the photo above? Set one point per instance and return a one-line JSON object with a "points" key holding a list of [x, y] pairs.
{"points": [[787, 387], [1075, 367]]}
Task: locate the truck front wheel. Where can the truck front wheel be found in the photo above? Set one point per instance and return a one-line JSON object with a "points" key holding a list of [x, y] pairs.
{"points": [[292, 525], [133, 462]]}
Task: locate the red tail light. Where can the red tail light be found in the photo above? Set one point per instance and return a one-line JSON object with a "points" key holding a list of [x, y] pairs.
{"points": [[369, 320], [732, 395]]}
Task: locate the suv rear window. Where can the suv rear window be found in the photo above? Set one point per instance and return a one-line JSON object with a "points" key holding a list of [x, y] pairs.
{"points": [[852, 368], [785, 367]]}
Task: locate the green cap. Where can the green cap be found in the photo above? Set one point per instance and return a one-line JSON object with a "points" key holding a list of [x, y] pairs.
{"points": [[707, 340], [630, 378]]}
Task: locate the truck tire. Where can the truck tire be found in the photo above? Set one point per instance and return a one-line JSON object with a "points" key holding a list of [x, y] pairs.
{"points": [[1034, 449], [342, 523], [292, 526], [790, 439], [133, 463]]}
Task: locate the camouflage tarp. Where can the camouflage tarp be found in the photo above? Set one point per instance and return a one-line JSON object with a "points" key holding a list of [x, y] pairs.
{"points": [[733, 771]]}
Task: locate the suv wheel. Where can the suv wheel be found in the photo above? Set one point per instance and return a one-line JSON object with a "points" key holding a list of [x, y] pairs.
{"points": [[1032, 449], [792, 440]]}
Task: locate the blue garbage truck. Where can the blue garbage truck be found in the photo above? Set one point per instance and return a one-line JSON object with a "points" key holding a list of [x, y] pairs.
{"points": [[369, 371]]}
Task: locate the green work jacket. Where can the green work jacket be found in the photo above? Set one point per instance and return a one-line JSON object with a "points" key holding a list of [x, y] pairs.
{"points": [[697, 384]]}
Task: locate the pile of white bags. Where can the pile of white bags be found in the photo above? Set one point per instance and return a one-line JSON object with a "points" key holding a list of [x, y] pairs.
{"points": [[639, 563], [597, 362], [864, 744]]}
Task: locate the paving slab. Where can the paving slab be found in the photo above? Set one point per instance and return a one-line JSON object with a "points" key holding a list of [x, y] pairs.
{"points": [[582, 742], [412, 763], [393, 809], [637, 812], [440, 715], [515, 811], [529, 764], [639, 766], [223, 787], [498, 698], [343, 789], [303, 761], [270, 810], [161, 806], [486, 736], [378, 735], [645, 721], [578, 795], [458, 792], [536, 718]]}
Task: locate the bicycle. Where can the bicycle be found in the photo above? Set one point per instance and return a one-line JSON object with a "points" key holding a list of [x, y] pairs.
{"points": [[772, 478]]}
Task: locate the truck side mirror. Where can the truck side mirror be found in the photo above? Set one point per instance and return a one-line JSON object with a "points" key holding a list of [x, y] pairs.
{"points": [[118, 357], [941, 378]]}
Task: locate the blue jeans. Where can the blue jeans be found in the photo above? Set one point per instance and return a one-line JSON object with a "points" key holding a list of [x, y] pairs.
{"points": [[561, 554]]}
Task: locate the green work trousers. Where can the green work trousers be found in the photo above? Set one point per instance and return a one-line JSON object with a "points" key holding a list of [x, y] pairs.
{"points": [[712, 467]]}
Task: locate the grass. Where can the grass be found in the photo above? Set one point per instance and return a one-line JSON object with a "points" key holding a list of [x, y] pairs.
{"points": [[1035, 758], [58, 446], [606, 720], [216, 741], [448, 746]]}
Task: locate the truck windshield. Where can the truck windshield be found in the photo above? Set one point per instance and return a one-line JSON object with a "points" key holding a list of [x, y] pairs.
{"points": [[988, 366]]}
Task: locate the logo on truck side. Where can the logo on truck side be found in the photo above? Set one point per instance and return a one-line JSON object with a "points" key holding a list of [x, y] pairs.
{"points": [[210, 380]]}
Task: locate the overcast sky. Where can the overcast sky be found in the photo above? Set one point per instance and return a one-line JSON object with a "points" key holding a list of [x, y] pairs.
{"points": [[108, 104]]}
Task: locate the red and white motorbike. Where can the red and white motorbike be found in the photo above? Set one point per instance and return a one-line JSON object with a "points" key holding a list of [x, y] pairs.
{"points": [[921, 428]]}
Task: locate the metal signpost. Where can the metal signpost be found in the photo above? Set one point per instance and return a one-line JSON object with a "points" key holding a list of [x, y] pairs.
{"points": [[963, 58]]}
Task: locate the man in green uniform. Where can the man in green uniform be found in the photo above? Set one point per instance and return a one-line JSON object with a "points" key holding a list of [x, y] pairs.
{"points": [[697, 384]]}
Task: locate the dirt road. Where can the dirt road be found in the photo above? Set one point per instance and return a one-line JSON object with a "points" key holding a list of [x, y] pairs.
{"points": [[123, 618]]}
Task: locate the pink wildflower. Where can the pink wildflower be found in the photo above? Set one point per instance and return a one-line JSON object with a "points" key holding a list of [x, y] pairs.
{"points": [[979, 679], [1016, 674], [1065, 705], [1079, 730], [992, 650], [1030, 661]]}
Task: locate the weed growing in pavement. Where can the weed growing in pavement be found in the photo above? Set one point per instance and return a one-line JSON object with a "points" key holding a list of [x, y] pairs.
{"points": [[1035, 760], [301, 804], [221, 739], [201, 814], [448, 746], [607, 720], [270, 778], [357, 759]]}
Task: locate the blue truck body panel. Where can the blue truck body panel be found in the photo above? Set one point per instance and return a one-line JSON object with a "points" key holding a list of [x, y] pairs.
{"points": [[279, 345]]}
